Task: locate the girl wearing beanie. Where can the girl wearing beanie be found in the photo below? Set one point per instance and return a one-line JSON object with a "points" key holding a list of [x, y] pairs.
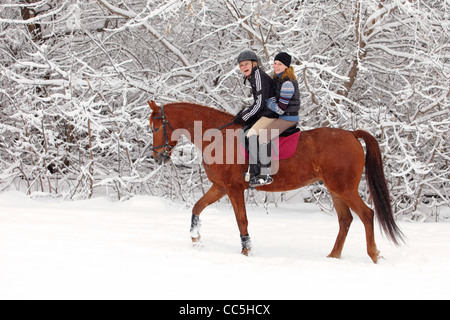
{"points": [[282, 113], [286, 104], [287, 100]]}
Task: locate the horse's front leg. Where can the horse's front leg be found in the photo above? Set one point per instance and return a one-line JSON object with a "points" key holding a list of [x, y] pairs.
{"points": [[236, 195], [213, 195]]}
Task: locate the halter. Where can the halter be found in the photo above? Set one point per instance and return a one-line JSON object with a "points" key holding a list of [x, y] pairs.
{"points": [[167, 147]]}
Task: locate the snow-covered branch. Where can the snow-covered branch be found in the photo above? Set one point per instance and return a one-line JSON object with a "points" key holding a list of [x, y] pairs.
{"points": [[75, 77]]}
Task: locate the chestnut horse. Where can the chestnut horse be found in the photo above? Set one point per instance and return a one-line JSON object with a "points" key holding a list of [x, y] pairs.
{"points": [[333, 156]]}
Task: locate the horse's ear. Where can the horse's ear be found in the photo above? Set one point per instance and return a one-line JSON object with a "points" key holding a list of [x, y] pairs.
{"points": [[153, 105]]}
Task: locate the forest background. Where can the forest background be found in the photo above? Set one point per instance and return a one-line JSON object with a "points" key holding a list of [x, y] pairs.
{"points": [[75, 77]]}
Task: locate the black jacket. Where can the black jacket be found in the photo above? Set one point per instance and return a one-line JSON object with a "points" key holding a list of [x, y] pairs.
{"points": [[263, 88]]}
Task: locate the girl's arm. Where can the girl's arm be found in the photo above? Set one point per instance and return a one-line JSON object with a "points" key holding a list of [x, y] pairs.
{"points": [[262, 94], [286, 93]]}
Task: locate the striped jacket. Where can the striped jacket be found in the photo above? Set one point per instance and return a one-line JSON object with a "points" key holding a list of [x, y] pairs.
{"points": [[288, 96], [263, 88]]}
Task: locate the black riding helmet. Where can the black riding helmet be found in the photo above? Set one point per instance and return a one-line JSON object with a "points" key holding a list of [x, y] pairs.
{"points": [[247, 55]]}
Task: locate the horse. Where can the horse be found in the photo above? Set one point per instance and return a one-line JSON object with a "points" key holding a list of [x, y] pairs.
{"points": [[333, 156]]}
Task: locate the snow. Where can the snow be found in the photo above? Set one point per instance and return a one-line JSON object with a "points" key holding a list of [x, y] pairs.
{"points": [[140, 249]]}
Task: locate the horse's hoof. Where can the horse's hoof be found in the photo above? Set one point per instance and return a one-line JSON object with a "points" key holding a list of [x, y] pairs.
{"points": [[334, 256], [197, 242], [246, 245], [376, 257]]}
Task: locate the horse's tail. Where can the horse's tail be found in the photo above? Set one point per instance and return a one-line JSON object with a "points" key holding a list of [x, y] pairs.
{"points": [[378, 187]]}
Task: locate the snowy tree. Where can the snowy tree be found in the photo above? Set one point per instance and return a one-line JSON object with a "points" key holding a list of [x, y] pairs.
{"points": [[75, 77]]}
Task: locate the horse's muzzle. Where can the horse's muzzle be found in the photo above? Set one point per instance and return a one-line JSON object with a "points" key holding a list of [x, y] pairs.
{"points": [[162, 159]]}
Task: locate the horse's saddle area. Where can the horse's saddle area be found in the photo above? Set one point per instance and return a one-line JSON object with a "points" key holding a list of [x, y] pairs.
{"points": [[284, 146]]}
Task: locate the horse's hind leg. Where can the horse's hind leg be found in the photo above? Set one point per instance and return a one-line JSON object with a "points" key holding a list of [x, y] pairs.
{"points": [[366, 215], [213, 195], [345, 220]]}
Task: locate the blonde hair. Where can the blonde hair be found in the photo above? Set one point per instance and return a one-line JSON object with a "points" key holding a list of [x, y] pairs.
{"points": [[288, 73]]}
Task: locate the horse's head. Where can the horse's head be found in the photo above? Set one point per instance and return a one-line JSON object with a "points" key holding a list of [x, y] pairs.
{"points": [[162, 131]]}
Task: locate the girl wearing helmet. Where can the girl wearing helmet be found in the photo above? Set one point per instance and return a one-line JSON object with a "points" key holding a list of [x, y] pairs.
{"points": [[255, 118]]}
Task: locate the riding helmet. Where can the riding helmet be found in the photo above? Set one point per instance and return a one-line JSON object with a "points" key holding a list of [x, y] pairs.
{"points": [[247, 55]]}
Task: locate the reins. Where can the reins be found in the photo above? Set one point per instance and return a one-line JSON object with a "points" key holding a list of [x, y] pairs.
{"points": [[166, 145], [212, 131]]}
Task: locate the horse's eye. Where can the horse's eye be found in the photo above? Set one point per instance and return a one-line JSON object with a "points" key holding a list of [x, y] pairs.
{"points": [[155, 129]]}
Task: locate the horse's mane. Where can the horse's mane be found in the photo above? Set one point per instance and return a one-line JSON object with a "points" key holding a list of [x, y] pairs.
{"points": [[203, 108]]}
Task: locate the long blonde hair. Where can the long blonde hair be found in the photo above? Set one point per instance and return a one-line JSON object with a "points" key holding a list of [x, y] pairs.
{"points": [[288, 73]]}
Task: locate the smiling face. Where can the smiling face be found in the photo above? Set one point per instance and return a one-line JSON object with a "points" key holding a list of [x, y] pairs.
{"points": [[247, 67], [279, 67]]}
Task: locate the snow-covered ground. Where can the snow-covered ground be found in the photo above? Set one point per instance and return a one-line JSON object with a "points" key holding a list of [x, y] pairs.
{"points": [[140, 249]]}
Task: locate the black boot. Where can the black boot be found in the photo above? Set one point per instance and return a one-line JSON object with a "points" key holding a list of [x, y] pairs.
{"points": [[254, 171], [254, 168], [264, 163]]}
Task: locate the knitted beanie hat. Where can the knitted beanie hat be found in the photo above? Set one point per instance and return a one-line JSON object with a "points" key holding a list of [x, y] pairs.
{"points": [[284, 58]]}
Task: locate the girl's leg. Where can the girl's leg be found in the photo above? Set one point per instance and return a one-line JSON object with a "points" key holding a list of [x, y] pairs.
{"points": [[258, 129], [274, 129], [261, 124]]}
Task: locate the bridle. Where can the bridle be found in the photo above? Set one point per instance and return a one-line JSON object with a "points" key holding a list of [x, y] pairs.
{"points": [[167, 148]]}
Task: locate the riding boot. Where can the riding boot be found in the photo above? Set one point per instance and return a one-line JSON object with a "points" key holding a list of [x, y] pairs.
{"points": [[264, 164], [254, 168]]}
